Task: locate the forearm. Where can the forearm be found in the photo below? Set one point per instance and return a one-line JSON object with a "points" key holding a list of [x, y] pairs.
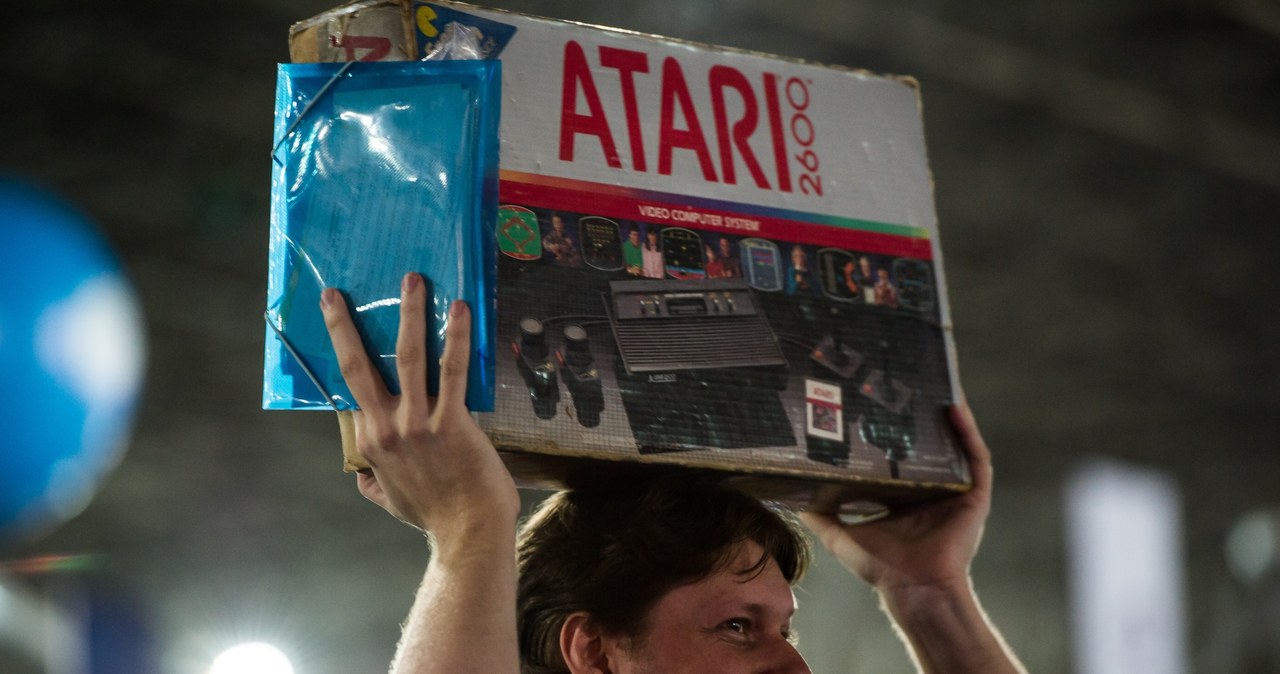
{"points": [[464, 617], [948, 632]]}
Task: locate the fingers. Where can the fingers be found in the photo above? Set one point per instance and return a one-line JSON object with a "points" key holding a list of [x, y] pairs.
{"points": [[829, 531], [411, 344], [363, 380], [453, 363], [975, 446]]}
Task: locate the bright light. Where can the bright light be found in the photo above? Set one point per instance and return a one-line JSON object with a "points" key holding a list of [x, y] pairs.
{"points": [[252, 658]]}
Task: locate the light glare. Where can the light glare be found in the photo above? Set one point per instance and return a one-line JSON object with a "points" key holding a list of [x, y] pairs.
{"points": [[252, 658]]}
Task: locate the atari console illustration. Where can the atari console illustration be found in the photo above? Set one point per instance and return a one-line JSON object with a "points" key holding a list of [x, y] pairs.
{"points": [[698, 365]]}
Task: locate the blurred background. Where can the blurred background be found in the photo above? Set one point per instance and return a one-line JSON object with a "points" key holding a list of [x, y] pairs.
{"points": [[1107, 181]]}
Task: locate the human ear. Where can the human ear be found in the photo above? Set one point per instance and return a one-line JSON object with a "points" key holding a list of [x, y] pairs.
{"points": [[584, 646]]}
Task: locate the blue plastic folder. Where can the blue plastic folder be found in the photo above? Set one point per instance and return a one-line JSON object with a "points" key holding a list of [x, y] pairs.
{"points": [[380, 169]]}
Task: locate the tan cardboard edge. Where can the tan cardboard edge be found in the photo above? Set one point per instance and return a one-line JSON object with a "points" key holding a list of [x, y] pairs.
{"points": [[346, 8], [351, 459], [761, 472], [303, 48], [549, 471], [407, 9], [683, 41], [555, 469]]}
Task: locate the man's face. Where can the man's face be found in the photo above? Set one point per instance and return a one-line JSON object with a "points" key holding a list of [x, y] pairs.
{"points": [[634, 235], [727, 623]]}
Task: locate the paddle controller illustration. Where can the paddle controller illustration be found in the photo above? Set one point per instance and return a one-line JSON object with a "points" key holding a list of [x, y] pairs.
{"points": [[581, 377], [533, 359], [538, 366]]}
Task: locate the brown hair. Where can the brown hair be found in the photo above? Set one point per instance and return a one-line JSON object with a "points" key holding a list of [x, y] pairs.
{"points": [[613, 549]]}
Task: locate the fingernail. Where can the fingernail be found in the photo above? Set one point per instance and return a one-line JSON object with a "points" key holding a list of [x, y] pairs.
{"points": [[410, 282], [326, 297], [457, 308]]}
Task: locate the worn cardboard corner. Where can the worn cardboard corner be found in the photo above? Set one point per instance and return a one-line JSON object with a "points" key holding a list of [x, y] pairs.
{"points": [[363, 30]]}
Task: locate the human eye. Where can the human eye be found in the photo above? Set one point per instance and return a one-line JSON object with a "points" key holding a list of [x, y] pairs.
{"points": [[740, 626]]}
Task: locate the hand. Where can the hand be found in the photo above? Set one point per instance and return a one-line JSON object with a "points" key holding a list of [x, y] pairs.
{"points": [[926, 546], [430, 464]]}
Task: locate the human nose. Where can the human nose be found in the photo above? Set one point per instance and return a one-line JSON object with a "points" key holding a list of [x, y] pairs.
{"points": [[798, 665], [787, 660]]}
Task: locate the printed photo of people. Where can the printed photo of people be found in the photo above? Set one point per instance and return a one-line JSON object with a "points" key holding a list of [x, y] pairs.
{"points": [[865, 276], [848, 284], [651, 253], [633, 251], [886, 293], [730, 260], [714, 267], [560, 244], [838, 275], [799, 272], [655, 251], [862, 277], [722, 258]]}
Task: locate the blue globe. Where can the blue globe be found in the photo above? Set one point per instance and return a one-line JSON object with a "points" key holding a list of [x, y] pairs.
{"points": [[72, 356]]}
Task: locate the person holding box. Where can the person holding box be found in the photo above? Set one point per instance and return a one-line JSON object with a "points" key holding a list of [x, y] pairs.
{"points": [[671, 573]]}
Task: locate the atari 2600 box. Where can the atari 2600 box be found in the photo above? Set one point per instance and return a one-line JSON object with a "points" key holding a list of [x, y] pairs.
{"points": [[708, 257]]}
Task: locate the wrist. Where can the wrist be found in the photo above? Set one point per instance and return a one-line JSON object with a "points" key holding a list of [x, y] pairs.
{"points": [[947, 630], [474, 516], [916, 601], [479, 530]]}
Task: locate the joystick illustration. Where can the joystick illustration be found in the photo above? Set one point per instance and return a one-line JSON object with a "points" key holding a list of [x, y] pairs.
{"points": [[533, 359], [836, 357], [869, 389], [887, 419], [581, 376]]}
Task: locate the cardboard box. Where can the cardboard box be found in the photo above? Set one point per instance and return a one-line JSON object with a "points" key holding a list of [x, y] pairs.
{"points": [[710, 258]]}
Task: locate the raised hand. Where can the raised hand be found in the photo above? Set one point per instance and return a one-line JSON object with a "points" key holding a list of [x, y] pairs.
{"points": [[923, 545], [430, 464]]}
